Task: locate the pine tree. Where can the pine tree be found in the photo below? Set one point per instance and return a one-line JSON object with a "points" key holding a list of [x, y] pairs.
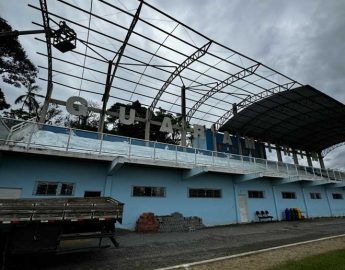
{"points": [[3, 104]]}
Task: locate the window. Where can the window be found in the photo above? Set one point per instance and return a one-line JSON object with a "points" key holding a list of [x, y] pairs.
{"points": [[337, 196], [148, 191], [54, 189], [289, 195], [204, 193], [255, 194], [315, 195]]}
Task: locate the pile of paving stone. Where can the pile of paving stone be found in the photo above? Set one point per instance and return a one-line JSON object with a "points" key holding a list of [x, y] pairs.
{"points": [[177, 223], [147, 222]]}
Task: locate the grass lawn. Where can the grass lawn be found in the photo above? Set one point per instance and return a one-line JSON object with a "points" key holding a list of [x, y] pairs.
{"points": [[333, 260]]}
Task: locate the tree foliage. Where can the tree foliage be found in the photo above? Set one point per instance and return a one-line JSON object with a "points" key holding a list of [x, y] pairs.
{"points": [[3, 104], [29, 99], [15, 67], [137, 130]]}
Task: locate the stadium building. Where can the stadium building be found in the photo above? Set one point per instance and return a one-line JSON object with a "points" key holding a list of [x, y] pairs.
{"points": [[233, 116]]}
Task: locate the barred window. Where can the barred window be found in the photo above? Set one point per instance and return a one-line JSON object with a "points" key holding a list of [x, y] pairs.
{"points": [[255, 194], [54, 189], [315, 195], [337, 196], [289, 195], [204, 193], [139, 191]]}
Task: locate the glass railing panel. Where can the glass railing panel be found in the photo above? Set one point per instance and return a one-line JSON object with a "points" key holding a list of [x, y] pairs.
{"points": [[185, 155], [115, 145], [84, 141], [204, 157], [221, 159], [46, 136], [165, 152]]}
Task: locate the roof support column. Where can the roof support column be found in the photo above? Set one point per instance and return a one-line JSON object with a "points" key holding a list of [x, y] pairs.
{"points": [[183, 115], [279, 153], [147, 125], [294, 155], [310, 164], [322, 164], [239, 145]]}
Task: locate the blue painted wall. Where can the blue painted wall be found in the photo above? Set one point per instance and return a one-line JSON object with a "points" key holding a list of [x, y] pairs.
{"points": [[22, 171], [213, 211]]}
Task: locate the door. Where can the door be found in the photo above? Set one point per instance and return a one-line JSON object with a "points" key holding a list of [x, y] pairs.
{"points": [[243, 207], [10, 193]]}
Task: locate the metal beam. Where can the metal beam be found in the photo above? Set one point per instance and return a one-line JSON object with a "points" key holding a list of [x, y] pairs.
{"points": [[118, 59], [45, 18], [192, 58], [331, 148], [233, 78]]}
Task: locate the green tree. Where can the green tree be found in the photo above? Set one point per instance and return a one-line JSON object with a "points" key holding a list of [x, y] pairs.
{"points": [[15, 67], [137, 130], [3, 104], [29, 99]]}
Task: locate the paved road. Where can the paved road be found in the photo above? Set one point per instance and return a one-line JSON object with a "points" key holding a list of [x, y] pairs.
{"points": [[150, 251]]}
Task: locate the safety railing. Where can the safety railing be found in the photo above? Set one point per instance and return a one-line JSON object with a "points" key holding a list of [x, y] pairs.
{"points": [[44, 136]]}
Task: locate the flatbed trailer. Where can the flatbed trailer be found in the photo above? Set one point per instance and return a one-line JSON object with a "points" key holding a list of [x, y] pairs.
{"points": [[30, 226]]}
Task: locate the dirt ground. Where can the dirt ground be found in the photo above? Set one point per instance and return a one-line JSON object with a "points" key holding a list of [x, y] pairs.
{"points": [[157, 250], [270, 259]]}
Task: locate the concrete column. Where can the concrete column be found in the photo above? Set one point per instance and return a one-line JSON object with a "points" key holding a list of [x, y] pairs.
{"points": [[147, 125], [239, 144], [322, 164], [214, 138], [279, 153], [108, 186], [294, 155], [183, 114], [310, 164]]}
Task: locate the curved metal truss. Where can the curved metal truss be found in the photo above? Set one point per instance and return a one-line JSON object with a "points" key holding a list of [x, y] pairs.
{"points": [[252, 99], [330, 149], [192, 58], [219, 86], [152, 50]]}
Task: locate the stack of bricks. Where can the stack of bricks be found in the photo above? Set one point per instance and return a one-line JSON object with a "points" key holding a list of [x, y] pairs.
{"points": [[147, 222], [177, 223]]}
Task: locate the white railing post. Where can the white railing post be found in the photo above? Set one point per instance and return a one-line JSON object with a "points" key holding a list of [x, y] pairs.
{"points": [[328, 174], [129, 147], [212, 158], [313, 171], [101, 144], [305, 169], [176, 154], [194, 156], [69, 139], [296, 169], [266, 164], [154, 151], [228, 160], [287, 169], [30, 137], [277, 166], [335, 178]]}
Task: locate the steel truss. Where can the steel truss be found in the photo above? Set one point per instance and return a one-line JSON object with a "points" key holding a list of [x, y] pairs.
{"points": [[207, 74]]}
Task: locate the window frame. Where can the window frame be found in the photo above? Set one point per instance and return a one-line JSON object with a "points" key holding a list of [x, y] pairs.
{"points": [[341, 197], [315, 196], [205, 190], [152, 195], [260, 193], [59, 186], [289, 198]]}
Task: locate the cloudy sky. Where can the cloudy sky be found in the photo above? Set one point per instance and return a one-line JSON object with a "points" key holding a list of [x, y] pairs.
{"points": [[304, 40]]}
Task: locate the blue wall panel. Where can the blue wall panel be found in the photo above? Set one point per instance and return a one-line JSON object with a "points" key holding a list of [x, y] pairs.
{"points": [[213, 211]]}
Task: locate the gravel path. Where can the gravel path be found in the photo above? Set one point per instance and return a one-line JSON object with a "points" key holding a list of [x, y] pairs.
{"points": [[150, 251]]}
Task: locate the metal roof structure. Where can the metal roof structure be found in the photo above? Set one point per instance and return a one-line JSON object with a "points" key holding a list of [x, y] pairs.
{"points": [[134, 51], [302, 118]]}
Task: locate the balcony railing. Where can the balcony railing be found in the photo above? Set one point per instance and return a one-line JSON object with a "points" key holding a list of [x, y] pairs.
{"points": [[30, 134]]}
